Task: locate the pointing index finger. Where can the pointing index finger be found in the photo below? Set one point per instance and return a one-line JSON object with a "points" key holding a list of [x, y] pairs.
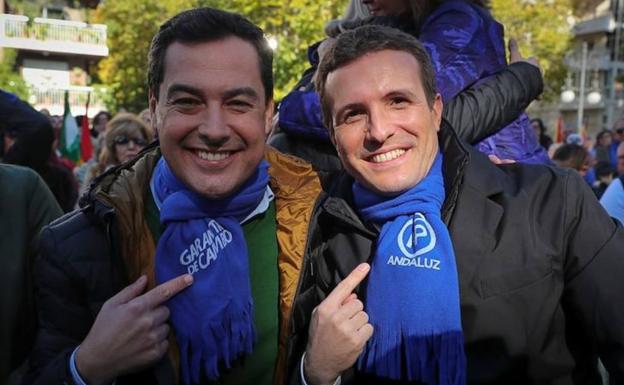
{"points": [[166, 290], [514, 52], [347, 285]]}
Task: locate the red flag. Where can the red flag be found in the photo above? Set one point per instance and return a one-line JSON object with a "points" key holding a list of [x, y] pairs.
{"points": [[560, 130], [86, 147]]}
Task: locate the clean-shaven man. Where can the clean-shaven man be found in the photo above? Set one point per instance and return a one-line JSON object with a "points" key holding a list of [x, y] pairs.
{"points": [[468, 272]]}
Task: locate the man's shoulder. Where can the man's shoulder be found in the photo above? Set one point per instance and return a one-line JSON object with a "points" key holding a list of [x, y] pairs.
{"points": [[292, 176], [75, 235], [18, 177], [532, 183], [613, 194]]}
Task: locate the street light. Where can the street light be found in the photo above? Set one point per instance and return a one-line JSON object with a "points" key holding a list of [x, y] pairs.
{"points": [[593, 97]]}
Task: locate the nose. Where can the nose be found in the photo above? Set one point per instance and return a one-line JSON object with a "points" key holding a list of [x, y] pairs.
{"points": [[213, 128], [380, 128]]}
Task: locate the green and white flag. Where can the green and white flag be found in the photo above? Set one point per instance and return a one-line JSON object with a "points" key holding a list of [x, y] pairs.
{"points": [[70, 134]]}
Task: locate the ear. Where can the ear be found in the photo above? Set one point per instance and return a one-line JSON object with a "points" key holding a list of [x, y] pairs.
{"points": [[268, 118], [153, 102], [437, 111]]}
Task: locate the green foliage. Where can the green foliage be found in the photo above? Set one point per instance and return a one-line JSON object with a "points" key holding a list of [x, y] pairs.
{"points": [[542, 30], [295, 25], [10, 79], [131, 25], [28, 8]]}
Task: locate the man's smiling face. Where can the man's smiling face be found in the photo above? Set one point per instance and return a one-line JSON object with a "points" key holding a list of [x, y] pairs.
{"points": [[211, 115], [384, 128]]}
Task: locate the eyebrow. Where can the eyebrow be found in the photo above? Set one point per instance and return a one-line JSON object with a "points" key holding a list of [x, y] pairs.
{"points": [[401, 92], [351, 106], [241, 91], [244, 91], [183, 88]]}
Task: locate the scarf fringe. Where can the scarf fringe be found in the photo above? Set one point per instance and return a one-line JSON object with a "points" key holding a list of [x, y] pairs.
{"points": [[219, 345], [435, 359]]}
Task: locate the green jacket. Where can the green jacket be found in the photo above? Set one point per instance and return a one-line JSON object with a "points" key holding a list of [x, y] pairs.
{"points": [[26, 205]]}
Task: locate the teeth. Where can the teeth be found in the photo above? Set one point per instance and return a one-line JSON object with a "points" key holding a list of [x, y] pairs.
{"points": [[205, 155], [388, 156]]}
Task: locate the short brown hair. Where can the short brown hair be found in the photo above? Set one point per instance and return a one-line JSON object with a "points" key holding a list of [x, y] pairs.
{"points": [[353, 44]]}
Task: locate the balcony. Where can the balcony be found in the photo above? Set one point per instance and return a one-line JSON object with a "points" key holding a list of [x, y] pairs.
{"points": [[51, 35], [53, 99], [601, 24]]}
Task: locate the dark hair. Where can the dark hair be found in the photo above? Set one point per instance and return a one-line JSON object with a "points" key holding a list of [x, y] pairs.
{"points": [[353, 44], [601, 134], [204, 25], [97, 116], [603, 169], [571, 156]]}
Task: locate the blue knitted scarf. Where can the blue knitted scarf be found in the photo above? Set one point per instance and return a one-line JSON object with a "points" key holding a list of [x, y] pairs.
{"points": [[412, 296], [213, 318]]}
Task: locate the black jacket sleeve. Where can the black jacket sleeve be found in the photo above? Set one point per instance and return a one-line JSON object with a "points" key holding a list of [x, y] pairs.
{"points": [[64, 316], [483, 110], [593, 271]]}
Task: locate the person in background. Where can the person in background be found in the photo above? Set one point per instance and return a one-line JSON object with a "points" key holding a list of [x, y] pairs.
{"points": [[125, 136], [604, 176], [466, 45], [27, 140], [603, 147], [146, 116], [573, 156], [613, 198], [540, 131], [26, 205], [99, 122]]}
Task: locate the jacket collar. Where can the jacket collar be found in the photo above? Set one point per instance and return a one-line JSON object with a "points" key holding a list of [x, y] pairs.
{"points": [[482, 177], [134, 175]]}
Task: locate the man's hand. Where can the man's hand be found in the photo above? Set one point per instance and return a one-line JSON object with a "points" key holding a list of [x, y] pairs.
{"points": [[516, 56], [338, 332], [130, 332], [496, 160]]}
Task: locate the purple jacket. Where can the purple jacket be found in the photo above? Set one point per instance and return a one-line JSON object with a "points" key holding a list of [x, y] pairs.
{"points": [[466, 44]]}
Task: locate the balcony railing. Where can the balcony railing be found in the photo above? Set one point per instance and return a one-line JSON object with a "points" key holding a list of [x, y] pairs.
{"points": [[53, 99], [53, 35]]}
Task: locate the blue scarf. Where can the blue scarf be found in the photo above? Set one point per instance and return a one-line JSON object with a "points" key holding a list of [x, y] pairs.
{"points": [[413, 293], [213, 318]]}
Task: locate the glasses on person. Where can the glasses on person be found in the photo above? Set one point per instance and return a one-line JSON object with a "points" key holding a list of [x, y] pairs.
{"points": [[124, 140]]}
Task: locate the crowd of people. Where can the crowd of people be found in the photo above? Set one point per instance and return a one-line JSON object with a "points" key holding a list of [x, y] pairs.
{"points": [[401, 220], [599, 162]]}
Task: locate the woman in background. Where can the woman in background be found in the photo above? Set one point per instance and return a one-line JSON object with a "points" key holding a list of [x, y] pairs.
{"points": [[125, 136]]}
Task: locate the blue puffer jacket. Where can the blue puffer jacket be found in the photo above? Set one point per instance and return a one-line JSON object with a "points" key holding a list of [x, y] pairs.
{"points": [[466, 47]]}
